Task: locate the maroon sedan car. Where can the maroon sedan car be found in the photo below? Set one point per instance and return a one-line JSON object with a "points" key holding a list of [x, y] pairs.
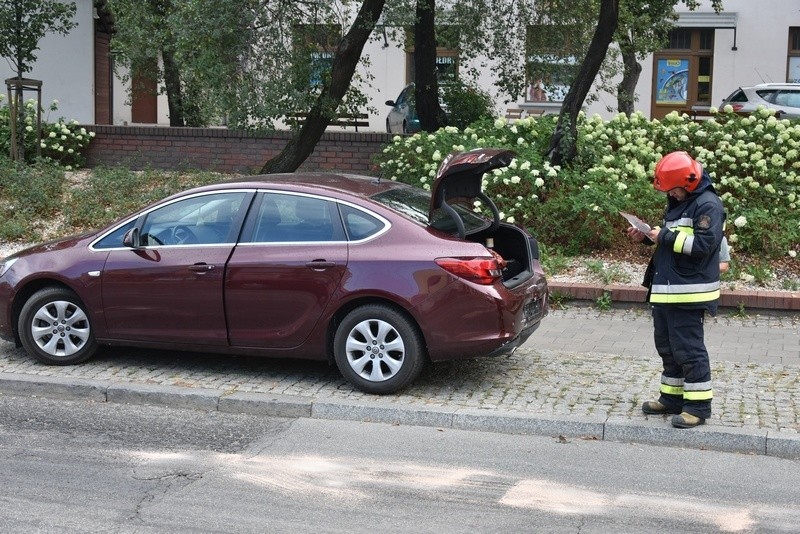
{"points": [[375, 275]]}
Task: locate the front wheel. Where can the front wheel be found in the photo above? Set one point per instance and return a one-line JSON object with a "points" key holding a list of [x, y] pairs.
{"points": [[378, 350], [54, 327]]}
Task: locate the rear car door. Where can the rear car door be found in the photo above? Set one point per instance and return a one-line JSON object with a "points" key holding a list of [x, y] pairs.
{"points": [[290, 261], [170, 289]]}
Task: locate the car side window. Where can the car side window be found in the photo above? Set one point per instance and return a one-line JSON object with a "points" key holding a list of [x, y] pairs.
{"points": [[788, 98], [286, 218], [767, 94], [359, 224], [114, 239], [199, 220]]}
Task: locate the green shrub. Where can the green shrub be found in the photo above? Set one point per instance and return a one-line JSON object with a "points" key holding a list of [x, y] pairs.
{"points": [[97, 201], [466, 104], [62, 141], [30, 199], [753, 162]]}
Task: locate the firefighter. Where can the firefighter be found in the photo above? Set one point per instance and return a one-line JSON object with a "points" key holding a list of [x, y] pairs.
{"points": [[683, 284]]}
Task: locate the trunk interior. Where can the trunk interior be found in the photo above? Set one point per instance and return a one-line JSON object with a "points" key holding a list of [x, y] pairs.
{"points": [[516, 247]]}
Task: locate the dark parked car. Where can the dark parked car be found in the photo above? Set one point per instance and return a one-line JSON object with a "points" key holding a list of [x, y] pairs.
{"points": [[375, 275]]}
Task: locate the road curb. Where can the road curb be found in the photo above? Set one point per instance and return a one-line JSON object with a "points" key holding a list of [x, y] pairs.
{"points": [[765, 300], [651, 430]]}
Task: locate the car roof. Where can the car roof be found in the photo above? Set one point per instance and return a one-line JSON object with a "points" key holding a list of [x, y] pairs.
{"points": [[773, 86], [310, 182]]}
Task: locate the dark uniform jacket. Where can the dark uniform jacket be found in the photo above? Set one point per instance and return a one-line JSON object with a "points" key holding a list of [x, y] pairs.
{"points": [[684, 269]]}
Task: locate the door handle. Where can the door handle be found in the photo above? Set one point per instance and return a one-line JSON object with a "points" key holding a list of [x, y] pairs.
{"points": [[319, 265], [201, 268]]}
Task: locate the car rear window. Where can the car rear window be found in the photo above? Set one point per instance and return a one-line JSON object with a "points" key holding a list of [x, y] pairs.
{"points": [[414, 203], [737, 96]]}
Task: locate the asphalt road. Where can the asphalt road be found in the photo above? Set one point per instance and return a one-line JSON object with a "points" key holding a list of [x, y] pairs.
{"points": [[68, 466]]}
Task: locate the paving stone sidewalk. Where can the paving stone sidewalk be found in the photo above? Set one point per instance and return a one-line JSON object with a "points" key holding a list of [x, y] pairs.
{"points": [[581, 365]]}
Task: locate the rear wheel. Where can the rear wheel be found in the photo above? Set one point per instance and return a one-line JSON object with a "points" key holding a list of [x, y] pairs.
{"points": [[378, 349], [54, 327]]}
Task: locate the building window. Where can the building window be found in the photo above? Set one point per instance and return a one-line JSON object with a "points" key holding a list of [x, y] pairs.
{"points": [[317, 41], [446, 54], [793, 74], [683, 73], [550, 65]]}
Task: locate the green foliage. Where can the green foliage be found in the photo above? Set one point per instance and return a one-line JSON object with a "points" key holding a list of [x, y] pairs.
{"points": [[38, 201], [466, 104], [757, 271], [741, 312], [558, 300], [97, 201], [790, 284], [248, 66], [552, 261], [24, 22], [752, 160], [604, 302], [606, 274], [30, 196], [62, 141]]}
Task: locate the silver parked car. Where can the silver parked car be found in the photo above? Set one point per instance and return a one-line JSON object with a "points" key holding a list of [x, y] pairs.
{"points": [[784, 98]]}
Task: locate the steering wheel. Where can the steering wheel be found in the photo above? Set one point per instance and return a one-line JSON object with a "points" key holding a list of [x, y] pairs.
{"points": [[182, 235], [148, 239]]}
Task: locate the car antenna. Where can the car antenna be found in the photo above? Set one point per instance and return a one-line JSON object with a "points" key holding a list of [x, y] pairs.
{"points": [[759, 75]]}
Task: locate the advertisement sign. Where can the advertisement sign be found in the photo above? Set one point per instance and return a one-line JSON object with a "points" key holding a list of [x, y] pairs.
{"points": [[672, 81]]}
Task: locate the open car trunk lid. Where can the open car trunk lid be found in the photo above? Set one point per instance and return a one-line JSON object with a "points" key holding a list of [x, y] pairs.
{"points": [[459, 179]]}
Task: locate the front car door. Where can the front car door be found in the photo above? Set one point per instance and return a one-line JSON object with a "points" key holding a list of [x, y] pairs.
{"points": [[170, 289]]}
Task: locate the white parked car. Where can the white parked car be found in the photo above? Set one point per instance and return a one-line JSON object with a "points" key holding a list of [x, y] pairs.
{"points": [[782, 97]]}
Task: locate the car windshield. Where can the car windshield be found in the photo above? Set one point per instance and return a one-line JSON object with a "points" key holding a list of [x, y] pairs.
{"points": [[414, 203]]}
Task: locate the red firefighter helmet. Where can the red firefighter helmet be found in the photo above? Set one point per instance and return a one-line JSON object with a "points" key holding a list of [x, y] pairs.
{"points": [[677, 169]]}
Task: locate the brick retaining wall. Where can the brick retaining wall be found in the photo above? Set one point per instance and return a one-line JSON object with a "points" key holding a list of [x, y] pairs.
{"points": [[223, 150]]}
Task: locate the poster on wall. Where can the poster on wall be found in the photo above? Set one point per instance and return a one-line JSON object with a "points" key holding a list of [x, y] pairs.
{"points": [[672, 81], [794, 70]]}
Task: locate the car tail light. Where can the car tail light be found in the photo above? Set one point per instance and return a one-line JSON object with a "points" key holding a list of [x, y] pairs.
{"points": [[483, 271], [737, 107]]}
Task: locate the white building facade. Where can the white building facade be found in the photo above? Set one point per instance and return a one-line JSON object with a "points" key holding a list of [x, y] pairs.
{"points": [[709, 56]]}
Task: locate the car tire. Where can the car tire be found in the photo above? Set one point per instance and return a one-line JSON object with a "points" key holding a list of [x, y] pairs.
{"points": [[378, 349], [55, 329]]}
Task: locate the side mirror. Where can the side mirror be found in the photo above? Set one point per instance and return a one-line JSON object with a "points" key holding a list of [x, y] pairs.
{"points": [[390, 103], [131, 238]]}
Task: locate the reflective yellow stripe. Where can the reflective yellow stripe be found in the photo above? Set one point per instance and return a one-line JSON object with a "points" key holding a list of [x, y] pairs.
{"points": [[672, 390], [683, 298], [677, 247], [698, 395]]}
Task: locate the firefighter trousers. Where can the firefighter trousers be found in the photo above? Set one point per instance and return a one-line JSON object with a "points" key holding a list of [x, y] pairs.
{"points": [[679, 340]]}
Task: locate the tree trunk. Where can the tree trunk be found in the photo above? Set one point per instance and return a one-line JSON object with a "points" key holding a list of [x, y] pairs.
{"points": [[426, 82], [563, 144], [626, 90], [172, 84], [17, 116], [345, 60]]}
